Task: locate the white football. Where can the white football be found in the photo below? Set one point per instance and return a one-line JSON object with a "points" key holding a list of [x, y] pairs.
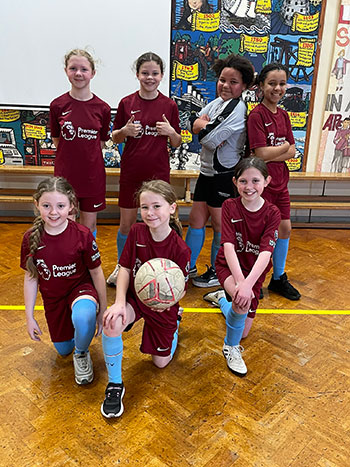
{"points": [[159, 283]]}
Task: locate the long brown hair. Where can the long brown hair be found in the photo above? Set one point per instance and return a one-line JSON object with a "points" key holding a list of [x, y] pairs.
{"points": [[47, 185], [166, 191]]}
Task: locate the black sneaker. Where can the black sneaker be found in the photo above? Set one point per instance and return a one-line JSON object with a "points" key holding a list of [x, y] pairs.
{"points": [[283, 287], [208, 279], [112, 406], [192, 272]]}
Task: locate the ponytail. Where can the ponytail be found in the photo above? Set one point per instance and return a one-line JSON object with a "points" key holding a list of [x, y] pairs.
{"points": [[175, 224], [34, 242]]}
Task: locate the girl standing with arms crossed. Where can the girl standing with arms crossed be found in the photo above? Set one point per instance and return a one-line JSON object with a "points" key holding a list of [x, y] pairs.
{"points": [[79, 123], [158, 236], [146, 120], [221, 131], [271, 138], [249, 234], [62, 259]]}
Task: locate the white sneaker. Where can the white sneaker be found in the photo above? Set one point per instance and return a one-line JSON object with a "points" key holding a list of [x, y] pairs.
{"points": [[83, 368], [214, 297], [234, 359], [112, 278]]}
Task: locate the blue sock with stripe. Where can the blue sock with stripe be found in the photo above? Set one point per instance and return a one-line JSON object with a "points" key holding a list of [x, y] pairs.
{"points": [[113, 355], [279, 257], [225, 306], [234, 327], [84, 322], [215, 246], [175, 340], [195, 240], [121, 239]]}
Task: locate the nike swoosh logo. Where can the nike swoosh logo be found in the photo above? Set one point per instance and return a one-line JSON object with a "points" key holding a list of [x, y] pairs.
{"points": [[162, 350], [97, 205], [236, 220], [134, 112], [268, 124], [139, 244], [66, 113], [41, 247]]}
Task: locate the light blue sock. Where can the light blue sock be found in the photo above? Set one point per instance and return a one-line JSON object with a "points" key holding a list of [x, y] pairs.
{"points": [[121, 239], [234, 327], [225, 306], [84, 322], [279, 257], [64, 348], [195, 240], [113, 354], [94, 233], [215, 245], [175, 340]]}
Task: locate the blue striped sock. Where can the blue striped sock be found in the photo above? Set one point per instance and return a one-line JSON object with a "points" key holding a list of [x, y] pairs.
{"points": [[113, 355]]}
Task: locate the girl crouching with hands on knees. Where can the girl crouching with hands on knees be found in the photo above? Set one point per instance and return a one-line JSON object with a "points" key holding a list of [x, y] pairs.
{"points": [[61, 257], [158, 236], [249, 235]]}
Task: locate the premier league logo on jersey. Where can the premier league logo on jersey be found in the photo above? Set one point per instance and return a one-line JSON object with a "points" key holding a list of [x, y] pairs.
{"points": [[68, 131], [43, 270]]}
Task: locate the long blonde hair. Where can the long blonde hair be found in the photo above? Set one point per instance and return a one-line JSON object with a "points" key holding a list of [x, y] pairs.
{"points": [[166, 191], [47, 185]]}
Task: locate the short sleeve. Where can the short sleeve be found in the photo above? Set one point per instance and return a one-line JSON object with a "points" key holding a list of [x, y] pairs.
{"points": [[227, 227], [91, 254], [24, 251], [120, 118], [54, 123], [270, 234], [106, 121], [256, 131]]}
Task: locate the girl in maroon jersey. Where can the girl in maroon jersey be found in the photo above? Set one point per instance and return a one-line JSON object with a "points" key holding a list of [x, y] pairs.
{"points": [[158, 236], [146, 120], [79, 123], [271, 138], [62, 259], [249, 233]]}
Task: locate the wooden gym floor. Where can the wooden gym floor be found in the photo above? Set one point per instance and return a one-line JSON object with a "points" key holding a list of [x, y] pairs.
{"points": [[292, 408]]}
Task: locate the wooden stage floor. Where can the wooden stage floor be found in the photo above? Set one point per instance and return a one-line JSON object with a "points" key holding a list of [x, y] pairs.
{"points": [[292, 408]]}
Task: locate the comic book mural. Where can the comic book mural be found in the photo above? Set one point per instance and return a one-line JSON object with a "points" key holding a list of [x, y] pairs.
{"points": [[261, 30], [25, 139], [334, 154]]}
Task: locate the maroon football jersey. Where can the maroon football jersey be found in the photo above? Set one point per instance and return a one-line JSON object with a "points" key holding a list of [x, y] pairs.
{"points": [[146, 156], [249, 232], [81, 127], [63, 261], [266, 128]]}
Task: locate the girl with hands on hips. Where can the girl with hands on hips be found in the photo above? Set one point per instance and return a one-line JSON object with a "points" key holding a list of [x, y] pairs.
{"points": [[146, 121], [61, 258], [158, 236], [249, 234]]}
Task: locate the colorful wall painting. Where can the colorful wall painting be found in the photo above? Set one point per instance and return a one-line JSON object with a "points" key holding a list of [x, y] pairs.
{"points": [[261, 30]]}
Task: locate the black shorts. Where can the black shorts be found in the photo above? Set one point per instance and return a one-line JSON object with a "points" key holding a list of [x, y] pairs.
{"points": [[215, 190]]}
